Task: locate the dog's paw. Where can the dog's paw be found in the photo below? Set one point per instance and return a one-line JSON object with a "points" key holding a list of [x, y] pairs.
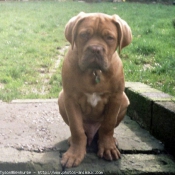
{"points": [[73, 157], [107, 149]]}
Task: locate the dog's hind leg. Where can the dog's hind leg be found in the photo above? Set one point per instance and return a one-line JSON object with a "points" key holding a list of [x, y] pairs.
{"points": [[61, 106], [124, 104]]}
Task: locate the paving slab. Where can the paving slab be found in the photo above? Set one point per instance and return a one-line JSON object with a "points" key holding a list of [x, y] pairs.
{"points": [[34, 126], [33, 138]]}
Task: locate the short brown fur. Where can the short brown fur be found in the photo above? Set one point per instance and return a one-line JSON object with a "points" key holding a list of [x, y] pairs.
{"points": [[93, 97]]}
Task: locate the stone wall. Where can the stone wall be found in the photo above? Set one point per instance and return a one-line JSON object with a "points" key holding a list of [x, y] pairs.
{"points": [[154, 111]]}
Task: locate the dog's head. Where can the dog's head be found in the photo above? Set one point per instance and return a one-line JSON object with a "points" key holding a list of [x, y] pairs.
{"points": [[96, 36]]}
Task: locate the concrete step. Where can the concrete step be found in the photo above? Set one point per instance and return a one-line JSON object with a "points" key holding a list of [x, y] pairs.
{"points": [[33, 138], [154, 110]]}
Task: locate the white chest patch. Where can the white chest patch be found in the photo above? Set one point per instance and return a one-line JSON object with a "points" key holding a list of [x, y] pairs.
{"points": [[93, 99]]}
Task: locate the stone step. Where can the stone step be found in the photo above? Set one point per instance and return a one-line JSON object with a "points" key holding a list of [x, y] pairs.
{"points": [[33, 138], [154, 110], [12, 160]]}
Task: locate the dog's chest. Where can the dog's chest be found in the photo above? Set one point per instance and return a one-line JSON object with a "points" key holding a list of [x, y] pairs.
{"points": [[93, 98]]}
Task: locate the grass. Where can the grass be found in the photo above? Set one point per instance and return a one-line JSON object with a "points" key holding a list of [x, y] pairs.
{"points": [[32, 33], [152, 50]]}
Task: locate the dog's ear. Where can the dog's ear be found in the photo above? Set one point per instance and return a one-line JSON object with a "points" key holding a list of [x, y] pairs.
{"points": [[124, 32], [71, 28]]}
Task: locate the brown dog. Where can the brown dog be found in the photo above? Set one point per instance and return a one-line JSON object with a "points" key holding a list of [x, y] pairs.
{"points": [[93, 97]]}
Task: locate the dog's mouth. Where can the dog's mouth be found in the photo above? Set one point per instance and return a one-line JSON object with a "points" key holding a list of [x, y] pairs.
{"points": [[95, 60], [91, 62]]}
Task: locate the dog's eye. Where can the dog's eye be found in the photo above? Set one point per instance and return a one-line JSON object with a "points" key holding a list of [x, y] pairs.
{"points": [[110, 38], [85, 35]]}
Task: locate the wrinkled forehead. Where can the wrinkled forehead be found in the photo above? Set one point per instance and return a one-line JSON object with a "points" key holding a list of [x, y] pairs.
{"points": [[98, 23]]}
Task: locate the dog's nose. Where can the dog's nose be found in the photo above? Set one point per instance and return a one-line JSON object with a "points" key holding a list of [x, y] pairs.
{"points": [[97, 49]]}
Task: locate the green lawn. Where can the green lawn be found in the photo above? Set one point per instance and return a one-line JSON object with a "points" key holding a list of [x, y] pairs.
{"points": [[32, 35]]}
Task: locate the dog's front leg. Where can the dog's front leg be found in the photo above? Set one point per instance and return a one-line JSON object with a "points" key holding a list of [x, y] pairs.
{"points": [[78, 140], [113, 115]]}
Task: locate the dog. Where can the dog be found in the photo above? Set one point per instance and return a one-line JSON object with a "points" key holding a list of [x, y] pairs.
{"points": [[93, 100]]}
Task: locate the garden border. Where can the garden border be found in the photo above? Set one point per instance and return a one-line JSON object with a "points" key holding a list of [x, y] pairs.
{"points": [[154, 111]]}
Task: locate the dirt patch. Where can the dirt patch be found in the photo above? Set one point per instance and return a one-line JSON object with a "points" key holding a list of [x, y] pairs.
{"points": [[42, 85], [47, 74], [1, 86]]}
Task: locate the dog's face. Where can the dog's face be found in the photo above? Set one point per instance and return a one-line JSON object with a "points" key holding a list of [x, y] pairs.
{"points": [[96, 37], [96, 43]]}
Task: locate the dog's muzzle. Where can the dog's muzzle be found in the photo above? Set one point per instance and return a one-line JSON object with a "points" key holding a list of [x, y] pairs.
{"points": [[94, 57]]}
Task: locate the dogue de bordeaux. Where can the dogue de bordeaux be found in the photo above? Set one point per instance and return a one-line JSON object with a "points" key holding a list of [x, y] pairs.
{"points": [[93, 100]]}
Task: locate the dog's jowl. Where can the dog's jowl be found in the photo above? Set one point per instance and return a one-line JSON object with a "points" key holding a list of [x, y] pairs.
{"points": [[93, 100]]}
